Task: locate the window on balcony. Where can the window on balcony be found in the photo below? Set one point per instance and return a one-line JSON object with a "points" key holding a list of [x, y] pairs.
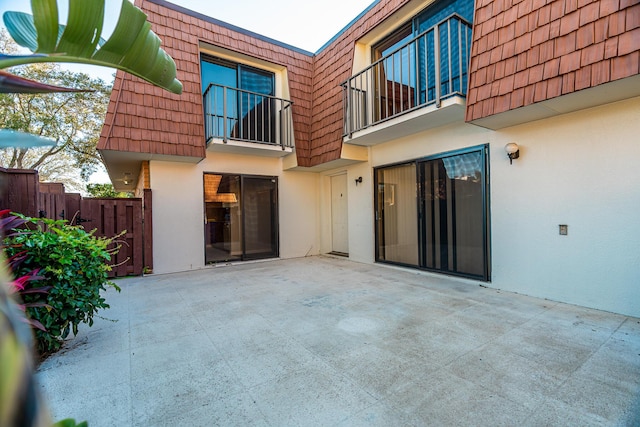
{"points": [[239, 104], [395, 79], [419, 64]]}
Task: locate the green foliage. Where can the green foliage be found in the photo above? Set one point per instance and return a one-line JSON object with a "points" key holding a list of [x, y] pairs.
{"points": [[105, 190], [69, 422], [73, 121], [75, 264], [132, 47]]}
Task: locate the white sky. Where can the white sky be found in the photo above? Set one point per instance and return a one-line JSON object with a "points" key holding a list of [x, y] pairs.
{"points": [[304, 24], [301, 23]]}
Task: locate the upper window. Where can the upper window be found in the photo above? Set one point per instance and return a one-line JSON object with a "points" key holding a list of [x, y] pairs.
{"points": [[226, 73], [392, 42], [419, 64], [441, 10], [239, 101], [429, 17]]}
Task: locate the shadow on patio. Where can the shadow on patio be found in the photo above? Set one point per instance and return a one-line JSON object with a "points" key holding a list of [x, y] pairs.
{"points": [[324, 341]]}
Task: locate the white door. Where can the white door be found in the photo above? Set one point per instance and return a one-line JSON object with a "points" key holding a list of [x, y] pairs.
{"points": [[339, 214]]}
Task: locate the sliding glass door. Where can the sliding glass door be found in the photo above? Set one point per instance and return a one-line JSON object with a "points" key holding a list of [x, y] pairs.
{"points": [[433, 213], [396, 215], [260, 217], [454, 215], [241, 220]]}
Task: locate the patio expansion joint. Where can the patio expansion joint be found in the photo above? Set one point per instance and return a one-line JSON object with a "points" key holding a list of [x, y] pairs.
{"points": [[222, 355], [580, 365], [321, 361], [325, 363]]}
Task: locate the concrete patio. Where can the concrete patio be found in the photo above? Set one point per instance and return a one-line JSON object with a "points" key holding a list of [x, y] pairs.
{"points": [[323, 341]]}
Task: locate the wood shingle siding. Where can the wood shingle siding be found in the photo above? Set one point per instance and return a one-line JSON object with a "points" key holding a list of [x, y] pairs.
{"points": [[150, 120], [530, 51], [333, 66], [523, 52]]}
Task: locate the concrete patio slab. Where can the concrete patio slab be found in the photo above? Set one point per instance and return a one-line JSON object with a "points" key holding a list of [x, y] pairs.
{"points": [[323, 341]]}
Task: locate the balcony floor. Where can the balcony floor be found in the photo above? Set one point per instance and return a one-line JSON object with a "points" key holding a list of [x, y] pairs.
{"points": [[248, 148], [450, 111]]}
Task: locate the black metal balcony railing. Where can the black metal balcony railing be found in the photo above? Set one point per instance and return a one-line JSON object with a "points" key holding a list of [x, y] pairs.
{"points": [[242, 115], [426, 70]]}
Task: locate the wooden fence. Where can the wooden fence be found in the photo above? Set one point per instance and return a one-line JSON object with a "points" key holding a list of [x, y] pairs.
{"points": [[21, 192]]}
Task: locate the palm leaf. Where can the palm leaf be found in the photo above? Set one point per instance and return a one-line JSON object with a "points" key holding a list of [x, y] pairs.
{"points": [[132, 47], [13, 138]]}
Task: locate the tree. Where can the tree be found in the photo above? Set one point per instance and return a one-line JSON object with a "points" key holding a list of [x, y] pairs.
{"points": [[132, 47], [24, 406], [73, 120], [105, 190]]}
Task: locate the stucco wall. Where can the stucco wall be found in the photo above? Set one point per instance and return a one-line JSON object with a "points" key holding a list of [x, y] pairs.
{"points": [[178, 218], [360, 210], [578, 169]]}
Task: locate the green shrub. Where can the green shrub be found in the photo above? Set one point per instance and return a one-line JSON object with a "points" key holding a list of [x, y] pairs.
{"points": [[74, 264], [69, 422]]}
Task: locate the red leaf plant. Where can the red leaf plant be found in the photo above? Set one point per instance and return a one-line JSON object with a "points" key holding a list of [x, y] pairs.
{"points": [[22, 285]]}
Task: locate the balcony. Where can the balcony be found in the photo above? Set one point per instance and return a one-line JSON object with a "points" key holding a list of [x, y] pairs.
{"points": [[424, 81], [245, 122]]}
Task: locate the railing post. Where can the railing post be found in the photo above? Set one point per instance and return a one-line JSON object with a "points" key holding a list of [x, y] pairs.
{"points": [[461, 53], [206, 116], [280, 115], [345, 111], [449, 57], [436, 57], [349, 109], [207, 113], [224, 115], [363, 99]]}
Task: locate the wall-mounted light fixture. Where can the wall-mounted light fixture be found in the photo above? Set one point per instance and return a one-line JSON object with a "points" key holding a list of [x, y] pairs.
{"points": [[358, 180], [513, 151]]}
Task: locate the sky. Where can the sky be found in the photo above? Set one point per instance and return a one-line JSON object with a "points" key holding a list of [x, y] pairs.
{"points": [[301, 23], [304, 24]]}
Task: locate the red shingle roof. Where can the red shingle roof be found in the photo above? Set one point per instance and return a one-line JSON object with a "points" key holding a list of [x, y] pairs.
{"points": [[151, 120], [546, 49], [523, 52], [333, 66]]}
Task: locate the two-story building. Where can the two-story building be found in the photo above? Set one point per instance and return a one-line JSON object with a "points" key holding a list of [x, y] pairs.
{"points": [[495, 143]]}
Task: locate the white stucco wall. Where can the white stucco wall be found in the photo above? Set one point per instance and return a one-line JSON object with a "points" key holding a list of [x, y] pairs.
{"points": [[578, 169], [360, 209], [299, 222], [178, 213]]}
